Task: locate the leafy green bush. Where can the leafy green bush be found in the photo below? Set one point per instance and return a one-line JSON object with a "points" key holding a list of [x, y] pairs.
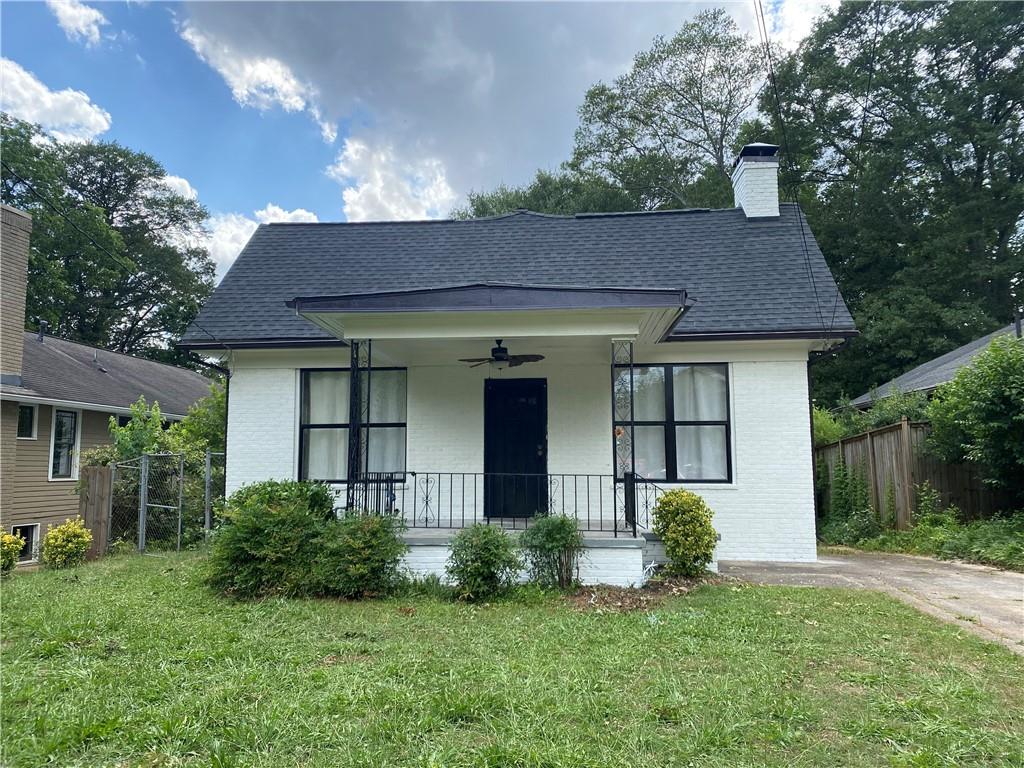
{"points": [[826, 428], [66, 544], [358, 557], [10, 547], [316, 497], [483, 562], [999, 541], [683, 522], [552, 547], [979, 415], [268, 541]]}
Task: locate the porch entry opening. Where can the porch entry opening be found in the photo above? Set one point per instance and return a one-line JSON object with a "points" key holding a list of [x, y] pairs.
{"points": [[515, 447]]}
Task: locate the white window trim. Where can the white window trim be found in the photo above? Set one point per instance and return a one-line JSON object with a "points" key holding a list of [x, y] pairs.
{"points": [[36, 544], [77, 449], [35, 420]]}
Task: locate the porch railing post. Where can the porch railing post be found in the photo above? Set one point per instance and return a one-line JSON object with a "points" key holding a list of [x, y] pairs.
{"points": [[629, 492], [358, 409]]}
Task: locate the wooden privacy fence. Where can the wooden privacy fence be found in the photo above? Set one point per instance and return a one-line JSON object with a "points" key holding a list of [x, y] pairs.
{"points": [[895, 456], [94, 499]]}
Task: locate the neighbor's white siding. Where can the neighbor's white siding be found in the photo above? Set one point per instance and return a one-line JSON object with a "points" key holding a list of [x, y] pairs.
{"points": [[766, 513]]}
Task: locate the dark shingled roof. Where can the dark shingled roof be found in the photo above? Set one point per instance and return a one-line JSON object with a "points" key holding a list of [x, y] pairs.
{"points": [[56, 369], [746, 276], [928, 376]]}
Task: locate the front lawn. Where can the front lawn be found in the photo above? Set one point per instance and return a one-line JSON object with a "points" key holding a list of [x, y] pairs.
{"points": [[133, 662]]}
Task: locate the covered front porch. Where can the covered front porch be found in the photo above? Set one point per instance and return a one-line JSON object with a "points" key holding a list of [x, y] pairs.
{"points": [[485, 404]]}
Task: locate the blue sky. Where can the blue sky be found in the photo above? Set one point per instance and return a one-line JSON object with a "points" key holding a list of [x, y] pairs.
{"points": [[330, 111]]}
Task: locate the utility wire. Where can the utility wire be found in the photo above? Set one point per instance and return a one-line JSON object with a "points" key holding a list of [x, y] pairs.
{"points": [[762, 28], [121, 260]]}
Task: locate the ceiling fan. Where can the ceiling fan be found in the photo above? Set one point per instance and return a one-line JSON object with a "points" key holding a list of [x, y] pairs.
{"points": [[500, 358]]}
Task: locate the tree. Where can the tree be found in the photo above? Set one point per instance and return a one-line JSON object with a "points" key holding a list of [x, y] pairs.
{"points": [[128, 272], [979, 415], [904, 123], [563, 193], [665, 131]]}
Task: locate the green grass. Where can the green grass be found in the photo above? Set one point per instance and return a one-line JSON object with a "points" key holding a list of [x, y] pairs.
{"points": [[132, 662]]}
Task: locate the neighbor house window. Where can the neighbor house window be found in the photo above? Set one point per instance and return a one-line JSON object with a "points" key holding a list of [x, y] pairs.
{"points": [[64, 445], [27, 422], [680, 420], [324, 423], [30, 549]]}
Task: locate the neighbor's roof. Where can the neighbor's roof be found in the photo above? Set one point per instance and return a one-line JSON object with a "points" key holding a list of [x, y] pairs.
{"points": [[56, 369], [745, 276], [928, 376]]}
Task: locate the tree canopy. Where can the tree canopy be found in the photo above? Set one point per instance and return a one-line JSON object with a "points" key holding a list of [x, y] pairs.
{"points": [[124, 268]]}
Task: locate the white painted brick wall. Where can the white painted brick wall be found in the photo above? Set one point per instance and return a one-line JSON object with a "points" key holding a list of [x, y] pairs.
{"points": [[756, 187], [262, 426], [767, 513]]}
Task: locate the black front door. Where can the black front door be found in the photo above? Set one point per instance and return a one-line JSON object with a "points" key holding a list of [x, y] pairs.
{"points": [[515, 447]]}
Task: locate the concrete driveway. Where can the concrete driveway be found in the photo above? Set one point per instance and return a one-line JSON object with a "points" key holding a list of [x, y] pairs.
{"points": [[984, 600]]}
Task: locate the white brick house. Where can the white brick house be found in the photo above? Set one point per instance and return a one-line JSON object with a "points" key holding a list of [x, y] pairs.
{"points": [[637, 352]]}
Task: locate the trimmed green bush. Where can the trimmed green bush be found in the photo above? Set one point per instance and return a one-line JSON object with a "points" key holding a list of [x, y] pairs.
{"points": [[359, 556], [683, 522], [67, 544], [483, 562], [10, 547], [552, 547], [281, 537]]}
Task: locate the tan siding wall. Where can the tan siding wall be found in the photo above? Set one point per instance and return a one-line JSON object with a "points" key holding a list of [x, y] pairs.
{"points": [[8, 455], [33, 498], [15, 227]]}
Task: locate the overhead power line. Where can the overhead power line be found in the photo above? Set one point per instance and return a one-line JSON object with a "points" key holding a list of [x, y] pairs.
{"points": [[121, 260]]}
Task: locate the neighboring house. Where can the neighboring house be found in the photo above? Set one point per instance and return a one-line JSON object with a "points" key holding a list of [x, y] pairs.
{"points": [[56, 400], [711, 314], [927, 376]]}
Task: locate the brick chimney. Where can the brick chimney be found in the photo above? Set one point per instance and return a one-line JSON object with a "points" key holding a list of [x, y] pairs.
{"points": [[755, 181], [15, 228]]}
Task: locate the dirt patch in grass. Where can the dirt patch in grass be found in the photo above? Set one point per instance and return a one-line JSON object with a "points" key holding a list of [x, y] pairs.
{"points": [[608, 599]]}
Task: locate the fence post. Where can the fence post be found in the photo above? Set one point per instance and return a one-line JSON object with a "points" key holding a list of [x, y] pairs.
{"points": [[110, 503], [208, 467], [181, 493], [908, 474], [143, 499], [874, 492]]}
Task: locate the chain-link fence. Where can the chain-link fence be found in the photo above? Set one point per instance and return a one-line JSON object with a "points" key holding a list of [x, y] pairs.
{"points": [[164, 501]]}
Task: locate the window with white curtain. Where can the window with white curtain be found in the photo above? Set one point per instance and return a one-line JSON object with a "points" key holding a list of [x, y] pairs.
{"points": [[324, 423], [680, 420]]}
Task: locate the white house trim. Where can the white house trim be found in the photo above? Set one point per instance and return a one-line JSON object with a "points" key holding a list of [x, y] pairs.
{"points": [[75, 451]]}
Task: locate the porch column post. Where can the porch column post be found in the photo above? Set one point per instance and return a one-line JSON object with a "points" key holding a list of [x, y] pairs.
{"points": [[358, 415], [623, 437]]}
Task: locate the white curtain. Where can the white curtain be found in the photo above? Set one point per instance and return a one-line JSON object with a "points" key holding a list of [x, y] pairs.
{"points": [[326, 454], [700, 394], [387, 396], [327, 401], [386, 449]]}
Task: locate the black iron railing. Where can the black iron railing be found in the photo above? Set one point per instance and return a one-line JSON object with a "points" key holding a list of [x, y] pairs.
{"points": [[458, 499]]}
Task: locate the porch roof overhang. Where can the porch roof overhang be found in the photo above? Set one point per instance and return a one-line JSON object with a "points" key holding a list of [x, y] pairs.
{"points": [[487, 310]]}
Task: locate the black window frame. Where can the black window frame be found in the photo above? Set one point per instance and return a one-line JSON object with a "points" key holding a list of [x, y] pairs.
{"points": [[304, 427], [34, 426], [670, 423]]}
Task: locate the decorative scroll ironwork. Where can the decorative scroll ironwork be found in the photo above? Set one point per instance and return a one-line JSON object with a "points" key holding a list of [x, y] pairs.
{"points": [[359, 410], [623, 409]]}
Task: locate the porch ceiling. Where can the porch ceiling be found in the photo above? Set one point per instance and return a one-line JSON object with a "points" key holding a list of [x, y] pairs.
{"points": [[495, 310]]}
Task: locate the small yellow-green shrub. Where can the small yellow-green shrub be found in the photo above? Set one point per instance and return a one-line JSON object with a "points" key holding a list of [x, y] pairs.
{"points": [[683, 522], [66, 544], [10, 547]]}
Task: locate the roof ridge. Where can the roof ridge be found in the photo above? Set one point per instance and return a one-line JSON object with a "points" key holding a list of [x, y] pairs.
{"points": [[35, 334]]}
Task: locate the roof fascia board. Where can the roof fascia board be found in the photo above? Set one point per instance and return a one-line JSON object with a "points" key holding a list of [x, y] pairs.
{"points": [[118, 409]]}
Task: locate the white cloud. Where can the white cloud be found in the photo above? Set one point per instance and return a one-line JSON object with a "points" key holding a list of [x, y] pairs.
{"points": [[68, 115], [262, 82], [377, 186], [229, 232], [79, 21], [275, 213], [180, 186]]}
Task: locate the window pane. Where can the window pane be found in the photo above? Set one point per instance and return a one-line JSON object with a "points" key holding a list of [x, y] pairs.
{"points": [[326, 398], [648, 394], [387, 396], [326, 452], [26, 419], [65, 426], [701, 453], [699, 393], [386, 449], [649, 452]]}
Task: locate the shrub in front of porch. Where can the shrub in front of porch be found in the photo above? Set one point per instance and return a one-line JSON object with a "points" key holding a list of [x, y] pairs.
{"points": [[552, 547], [283, 538], [682, 520], [483, 562]]}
